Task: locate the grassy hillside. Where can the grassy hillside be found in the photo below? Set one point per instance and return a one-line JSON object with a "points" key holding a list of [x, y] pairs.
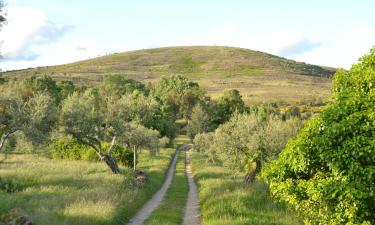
{"points": [[259, 76]]}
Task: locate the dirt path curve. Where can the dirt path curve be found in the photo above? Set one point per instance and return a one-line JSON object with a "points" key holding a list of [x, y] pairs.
{"points": [[155, 201], [192, 216]]}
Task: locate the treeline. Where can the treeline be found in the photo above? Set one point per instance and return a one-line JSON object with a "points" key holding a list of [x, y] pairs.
{"points": [[108, 120], [93, 121]]}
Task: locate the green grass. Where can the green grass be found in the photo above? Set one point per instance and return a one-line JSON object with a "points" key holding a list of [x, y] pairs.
{"points": [[171, 211], [77, 192], [181, 140], [226, 201], [259, 76]]}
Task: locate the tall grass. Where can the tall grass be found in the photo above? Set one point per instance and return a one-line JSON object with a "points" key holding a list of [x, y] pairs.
{"points": [[77, 192], [226, 201]]}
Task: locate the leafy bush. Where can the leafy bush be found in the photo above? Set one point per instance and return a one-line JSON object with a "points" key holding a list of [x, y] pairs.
{"points": [[123, 155], [327, 172], [70, 148]]}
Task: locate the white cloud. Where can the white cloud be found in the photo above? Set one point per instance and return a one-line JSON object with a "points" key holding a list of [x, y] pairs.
{"points": [[342, 52], [60, 54], [27, 29]]}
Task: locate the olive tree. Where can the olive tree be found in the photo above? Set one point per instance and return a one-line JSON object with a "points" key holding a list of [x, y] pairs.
{"points": [[84, 117], [327, 172], [34, 117], [247, 141]]}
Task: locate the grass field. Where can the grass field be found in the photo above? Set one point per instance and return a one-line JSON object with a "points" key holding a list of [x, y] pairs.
{"points": [[171, 211], [259, 76], [225, 201], [77, 192]]}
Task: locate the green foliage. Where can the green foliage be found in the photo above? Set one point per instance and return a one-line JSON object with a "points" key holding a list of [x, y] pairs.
{"points": [[200, 122], [34, 116], [123, 155], [229, 103], [71, 148], [203, 141], [117, 85], [44, 83], [66, 88], [163, 120], [178, 93], [247, 138], [81, 118], [327, 172]]}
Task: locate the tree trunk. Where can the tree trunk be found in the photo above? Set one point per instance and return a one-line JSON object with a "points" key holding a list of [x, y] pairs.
{"points": [[250, 176], [111, 162], [3, 139]]}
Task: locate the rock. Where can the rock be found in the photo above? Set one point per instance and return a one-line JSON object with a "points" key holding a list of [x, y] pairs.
{"points": [[140, 178], [17, 217]]}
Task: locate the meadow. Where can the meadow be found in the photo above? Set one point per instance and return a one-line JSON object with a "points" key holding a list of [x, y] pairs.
{"points": [[224, 199], [77, 192]]}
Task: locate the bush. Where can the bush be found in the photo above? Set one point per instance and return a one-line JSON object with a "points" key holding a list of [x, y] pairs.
{"points": [[70, 148], [327, 172], [123, 155]]}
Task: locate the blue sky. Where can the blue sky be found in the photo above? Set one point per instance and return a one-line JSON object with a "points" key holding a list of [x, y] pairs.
{"points": [[50, 32]]}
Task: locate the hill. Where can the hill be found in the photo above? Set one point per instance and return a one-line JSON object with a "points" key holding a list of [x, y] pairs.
{"points": [[259, 76]]}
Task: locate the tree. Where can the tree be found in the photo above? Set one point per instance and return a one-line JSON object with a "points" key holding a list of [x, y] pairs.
{"points": [[199, 122], [247, 141], [229, 103], [178, 93], [84, 117], [117, 85], [81, 118], [34, 117], [327, 172], [27, 87]]}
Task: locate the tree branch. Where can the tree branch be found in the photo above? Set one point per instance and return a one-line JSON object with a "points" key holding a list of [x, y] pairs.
{"points": [[88, 143], [5, 136]]}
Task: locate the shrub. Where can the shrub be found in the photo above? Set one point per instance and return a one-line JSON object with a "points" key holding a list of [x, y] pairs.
{"points": [[122, 155], [327, 172], [70, 148]]}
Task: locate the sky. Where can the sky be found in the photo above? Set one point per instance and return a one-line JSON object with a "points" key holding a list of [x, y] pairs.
{"points": [[50, 32]]}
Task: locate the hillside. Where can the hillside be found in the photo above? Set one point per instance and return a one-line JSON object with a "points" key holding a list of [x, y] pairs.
{"points": [[259, 76]]}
